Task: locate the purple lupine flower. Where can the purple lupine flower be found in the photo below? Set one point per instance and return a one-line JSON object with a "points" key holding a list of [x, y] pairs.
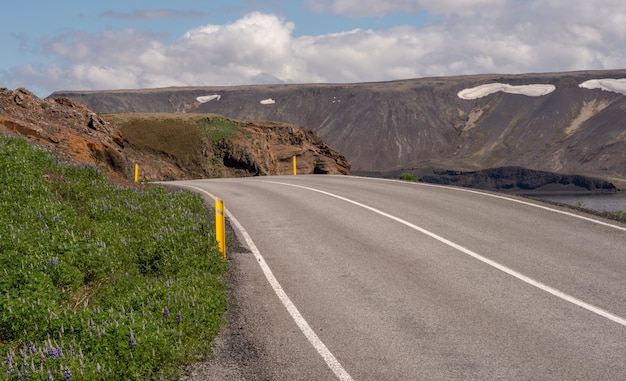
{"points": [[10, 360], [179, 317], [67, 374], [166, 312], [46, 229], [54, 262], [133, 342], [54, 353], [57, 218], [105, 208]]}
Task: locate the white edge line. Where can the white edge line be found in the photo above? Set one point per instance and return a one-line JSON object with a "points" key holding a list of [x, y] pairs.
{"points": [[306, 329], [520, 276]]}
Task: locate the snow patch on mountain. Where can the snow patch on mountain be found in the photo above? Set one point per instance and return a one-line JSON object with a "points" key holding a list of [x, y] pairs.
{"points": [[607, 84], [535, 90], [208, 98]]}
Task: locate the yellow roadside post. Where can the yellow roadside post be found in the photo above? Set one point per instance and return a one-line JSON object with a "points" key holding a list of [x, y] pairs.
{"points": [[136, 173], [220, 226], [293, 161]]}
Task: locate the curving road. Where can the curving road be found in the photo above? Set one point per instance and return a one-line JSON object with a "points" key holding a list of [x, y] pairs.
{"points": [[366, 279]]}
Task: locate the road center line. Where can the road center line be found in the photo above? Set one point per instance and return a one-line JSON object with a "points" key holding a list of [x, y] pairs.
{"points": [[522, 277], [304, 326]]}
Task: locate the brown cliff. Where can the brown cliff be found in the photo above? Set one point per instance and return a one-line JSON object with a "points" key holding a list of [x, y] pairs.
{"points": [[66, 127]]}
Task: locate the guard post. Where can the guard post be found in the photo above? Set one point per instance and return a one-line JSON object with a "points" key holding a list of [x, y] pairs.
{"points": [[293, 162], [220, 226]]}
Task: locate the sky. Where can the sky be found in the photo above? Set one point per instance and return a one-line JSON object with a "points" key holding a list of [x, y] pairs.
{"points": [[47, 46]]}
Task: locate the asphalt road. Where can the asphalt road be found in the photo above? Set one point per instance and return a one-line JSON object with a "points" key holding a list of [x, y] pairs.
{"points": [[390, 280]]}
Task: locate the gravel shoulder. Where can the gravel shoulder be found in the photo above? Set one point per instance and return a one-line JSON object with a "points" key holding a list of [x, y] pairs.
{"points": [[235, 351]]}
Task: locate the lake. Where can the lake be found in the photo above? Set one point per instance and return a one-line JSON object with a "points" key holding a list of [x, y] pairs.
{"points": [[601, 203]]}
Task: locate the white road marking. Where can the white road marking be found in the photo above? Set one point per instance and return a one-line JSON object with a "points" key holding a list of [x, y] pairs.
{"points": [[304, 326], [522, 277]]}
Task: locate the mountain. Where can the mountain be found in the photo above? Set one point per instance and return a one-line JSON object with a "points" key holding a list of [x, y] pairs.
{"points": [[423, 125]]}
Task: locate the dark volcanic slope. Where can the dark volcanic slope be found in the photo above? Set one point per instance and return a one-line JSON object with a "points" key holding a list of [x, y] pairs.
{"points": [[422, 123]]}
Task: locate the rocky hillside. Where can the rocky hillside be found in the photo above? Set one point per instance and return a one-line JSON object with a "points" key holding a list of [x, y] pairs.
{"points": [[166, 147], [66, 127], [423, 124]]}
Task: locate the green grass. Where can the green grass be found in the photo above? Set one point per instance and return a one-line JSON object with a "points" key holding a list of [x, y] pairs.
{"points": [[621, 215], [98, 281], [408, 177], [217, 128]]}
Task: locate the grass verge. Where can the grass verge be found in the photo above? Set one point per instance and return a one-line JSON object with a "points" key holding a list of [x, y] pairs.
{"points": [[97, 281]]}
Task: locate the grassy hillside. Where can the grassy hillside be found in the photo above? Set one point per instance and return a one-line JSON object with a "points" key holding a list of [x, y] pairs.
{"points": [[100, 281], [188, 140]]}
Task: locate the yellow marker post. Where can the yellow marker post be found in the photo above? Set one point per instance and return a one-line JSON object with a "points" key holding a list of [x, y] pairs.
{"points": [[293, 161], [220, 226], [136, 173]]}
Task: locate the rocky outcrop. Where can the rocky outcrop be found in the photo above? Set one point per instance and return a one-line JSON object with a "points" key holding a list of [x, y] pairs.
{"points": [[270, 149], [64, 126]]}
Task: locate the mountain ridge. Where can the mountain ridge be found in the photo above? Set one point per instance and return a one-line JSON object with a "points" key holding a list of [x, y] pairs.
{"points": [[422, 124]]}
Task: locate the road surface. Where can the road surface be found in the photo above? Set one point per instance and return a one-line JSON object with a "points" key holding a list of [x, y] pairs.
{"points": [[348, 278]]}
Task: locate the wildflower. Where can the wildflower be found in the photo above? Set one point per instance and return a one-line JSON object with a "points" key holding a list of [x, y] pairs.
{"points": [[67, 374], [10, 360], [54, 262], [166, 312], [54, 353], [46, 229], [179, 317], [105, 208], [133, 342]]}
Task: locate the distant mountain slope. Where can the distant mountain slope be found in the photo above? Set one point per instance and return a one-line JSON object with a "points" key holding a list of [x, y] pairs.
{"points": [[423, 123]]}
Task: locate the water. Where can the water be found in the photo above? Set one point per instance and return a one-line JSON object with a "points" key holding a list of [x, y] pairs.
{"points": [[601, 203]]}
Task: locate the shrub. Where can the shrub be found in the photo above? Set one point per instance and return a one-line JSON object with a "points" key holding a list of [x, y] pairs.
{"points": [[408, 177]]}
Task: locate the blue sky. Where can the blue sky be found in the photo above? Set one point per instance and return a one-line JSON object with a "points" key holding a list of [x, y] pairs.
{"points": [[94, 45]]}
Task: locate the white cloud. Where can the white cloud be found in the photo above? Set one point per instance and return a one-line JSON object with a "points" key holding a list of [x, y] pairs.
{"points": [[465, 37]]}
